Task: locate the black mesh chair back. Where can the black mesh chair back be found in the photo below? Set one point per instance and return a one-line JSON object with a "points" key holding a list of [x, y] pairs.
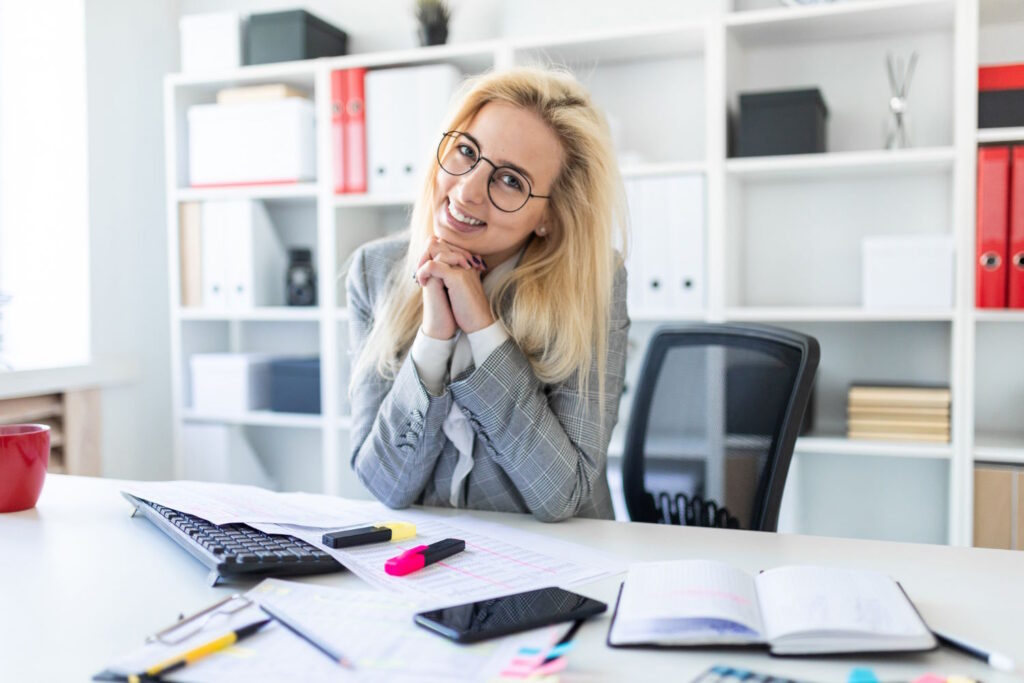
{"points": [[714, 420]]}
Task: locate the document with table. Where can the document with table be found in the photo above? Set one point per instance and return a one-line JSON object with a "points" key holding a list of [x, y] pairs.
{"points": [[497, 560], [371, 633], [373, 628]]}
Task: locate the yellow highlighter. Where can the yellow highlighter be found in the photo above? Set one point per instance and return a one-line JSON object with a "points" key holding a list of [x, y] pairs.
{"points": [[215, 645], [378, 533]]}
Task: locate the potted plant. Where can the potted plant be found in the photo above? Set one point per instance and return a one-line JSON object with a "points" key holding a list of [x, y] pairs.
{"points": [[433, 16]]}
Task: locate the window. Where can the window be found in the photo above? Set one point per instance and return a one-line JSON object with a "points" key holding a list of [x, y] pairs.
{"points": [[44, 235]]}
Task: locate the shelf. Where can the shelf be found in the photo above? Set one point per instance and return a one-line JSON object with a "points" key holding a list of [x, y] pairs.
{"points": [[838, 164], [642, 316], [261, 418], [372, 200], [836, 314], [1000, 134], [1006, 448], [469, 57], [789, 26], [618, 45], [713, 57], [998, 316], [268, 313], [663, 169], [683, 446], [291, 191], [840, 445], [295, 73], [814, 444], [473, 57]]}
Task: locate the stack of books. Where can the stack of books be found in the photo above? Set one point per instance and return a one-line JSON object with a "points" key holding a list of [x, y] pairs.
{"points": [[898, 413]]}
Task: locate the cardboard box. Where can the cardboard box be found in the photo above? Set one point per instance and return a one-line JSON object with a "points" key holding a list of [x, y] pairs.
{"points": [[252, 143], [993, 506], [230, 383], [908, 271]]}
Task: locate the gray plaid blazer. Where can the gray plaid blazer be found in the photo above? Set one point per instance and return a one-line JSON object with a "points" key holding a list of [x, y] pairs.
{"points": [[539, 448]]}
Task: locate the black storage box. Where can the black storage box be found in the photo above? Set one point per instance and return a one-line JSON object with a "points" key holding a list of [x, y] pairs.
{"points": [[782, 122], [295, 385], [1000, 108], [289, 36]]}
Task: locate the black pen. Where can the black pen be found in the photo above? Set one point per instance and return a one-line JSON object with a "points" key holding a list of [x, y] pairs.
{"points": [[993, 659], [565, 639], [294, 627]]}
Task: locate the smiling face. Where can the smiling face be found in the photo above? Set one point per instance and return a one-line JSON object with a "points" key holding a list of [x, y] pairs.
{"points": [[464, 214]]}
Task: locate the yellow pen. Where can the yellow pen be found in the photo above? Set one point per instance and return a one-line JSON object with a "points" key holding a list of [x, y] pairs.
{"points": [[179, 661]]}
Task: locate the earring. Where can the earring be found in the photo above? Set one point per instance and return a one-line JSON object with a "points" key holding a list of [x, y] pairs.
{"points": [[542, 231]]}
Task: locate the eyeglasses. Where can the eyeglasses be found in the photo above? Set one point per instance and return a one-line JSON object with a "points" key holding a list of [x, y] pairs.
{"points": [[507, 187]]}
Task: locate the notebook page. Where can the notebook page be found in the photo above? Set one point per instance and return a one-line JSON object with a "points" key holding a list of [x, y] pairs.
{"points": [[839, 601], [687, 601]]}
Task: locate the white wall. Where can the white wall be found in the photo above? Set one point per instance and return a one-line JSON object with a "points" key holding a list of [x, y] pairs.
{"points": [[130, 45]]}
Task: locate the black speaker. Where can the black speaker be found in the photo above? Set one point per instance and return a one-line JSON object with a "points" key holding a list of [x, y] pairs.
{"points": [[301, 278]]}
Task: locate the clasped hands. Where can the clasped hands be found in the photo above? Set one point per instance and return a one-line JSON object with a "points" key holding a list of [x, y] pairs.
{"points": [[453, 294]]}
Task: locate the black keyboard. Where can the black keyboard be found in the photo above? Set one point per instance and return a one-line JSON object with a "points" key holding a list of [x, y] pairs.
{"points": [[237, 551]]}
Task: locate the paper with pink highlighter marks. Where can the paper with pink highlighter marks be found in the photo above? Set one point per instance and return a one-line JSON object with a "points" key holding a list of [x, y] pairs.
{"points": [[498, 560]]}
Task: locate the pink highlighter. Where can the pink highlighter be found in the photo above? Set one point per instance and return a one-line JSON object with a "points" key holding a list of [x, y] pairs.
{"points": [[419, 557]]}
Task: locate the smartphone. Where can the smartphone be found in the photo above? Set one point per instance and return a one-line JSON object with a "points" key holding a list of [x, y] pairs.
{"points": [[476, 621]]}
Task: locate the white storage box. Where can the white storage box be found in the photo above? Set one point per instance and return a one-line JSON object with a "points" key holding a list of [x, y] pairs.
{"points": [[230, 383], [251, 142], [908, 271], [211, 41]]}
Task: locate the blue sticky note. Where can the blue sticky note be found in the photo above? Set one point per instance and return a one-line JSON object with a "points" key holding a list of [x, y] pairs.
{"points": [[559, 650], [862, 674]]}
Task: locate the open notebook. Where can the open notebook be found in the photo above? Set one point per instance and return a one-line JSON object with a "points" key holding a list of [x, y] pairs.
{"points": [[795, 610]]}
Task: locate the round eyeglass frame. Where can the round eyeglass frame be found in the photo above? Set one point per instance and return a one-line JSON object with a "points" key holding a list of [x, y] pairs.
{"points": [[455, 135]]}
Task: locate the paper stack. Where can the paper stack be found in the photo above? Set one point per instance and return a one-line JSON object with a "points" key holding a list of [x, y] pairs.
{"points": [[898, 413]]}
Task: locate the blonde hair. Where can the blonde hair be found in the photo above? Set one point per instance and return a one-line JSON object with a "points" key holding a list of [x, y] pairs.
{"points": [[556, 303]]}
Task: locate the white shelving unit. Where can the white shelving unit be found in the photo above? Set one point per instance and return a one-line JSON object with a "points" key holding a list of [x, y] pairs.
{"points": [[782, 233]]}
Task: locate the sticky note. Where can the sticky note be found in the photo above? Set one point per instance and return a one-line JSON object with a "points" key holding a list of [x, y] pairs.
{"points": [[862, 674]]}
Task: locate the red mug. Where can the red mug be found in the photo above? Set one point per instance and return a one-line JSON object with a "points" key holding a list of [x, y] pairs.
{"points": [[24, 455]]}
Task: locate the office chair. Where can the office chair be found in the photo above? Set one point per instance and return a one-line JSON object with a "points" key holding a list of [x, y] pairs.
{"points": [[713, 423]]}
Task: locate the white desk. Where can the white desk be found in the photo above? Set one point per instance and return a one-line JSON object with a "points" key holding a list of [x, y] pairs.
{"points": [[81, 582]]}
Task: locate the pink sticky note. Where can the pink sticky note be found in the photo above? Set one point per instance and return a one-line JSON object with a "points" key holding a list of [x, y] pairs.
{"points": [[930, 678], [552, 667]]}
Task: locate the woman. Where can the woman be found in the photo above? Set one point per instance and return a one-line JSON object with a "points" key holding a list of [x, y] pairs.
{"points": [[489, 341]]}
